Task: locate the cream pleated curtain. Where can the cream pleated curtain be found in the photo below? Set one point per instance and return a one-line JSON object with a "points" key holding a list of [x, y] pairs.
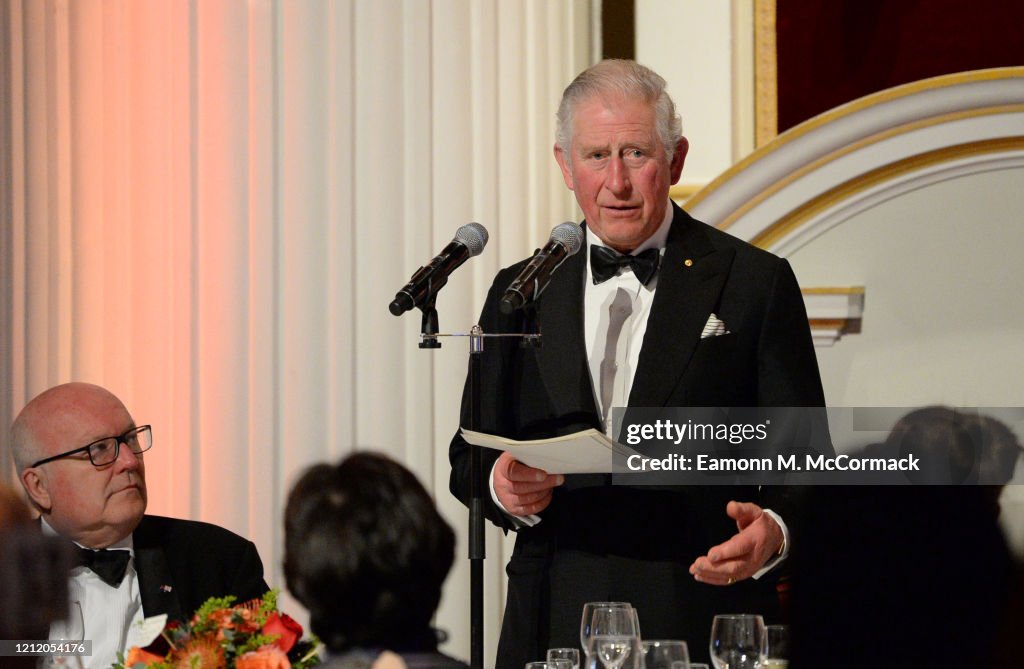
{"points": [[208, 204]]}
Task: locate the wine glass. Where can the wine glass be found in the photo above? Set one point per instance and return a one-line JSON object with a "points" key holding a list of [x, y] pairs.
{"points": [[738, 641], [71, 628], [777, 649], [614, 635], [588, 616], [666, 654], [557, 663], [571, 654]]}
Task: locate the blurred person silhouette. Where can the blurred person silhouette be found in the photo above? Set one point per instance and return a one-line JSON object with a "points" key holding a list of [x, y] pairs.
{"points": [[891, 575], [366, 553], [33, 592], [1001, 451], [955, 447], [13, 512], [1007, 450]]}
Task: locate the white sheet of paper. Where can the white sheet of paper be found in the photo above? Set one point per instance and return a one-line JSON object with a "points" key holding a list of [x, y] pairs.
{"points": [[586, 452], [145, 631]]}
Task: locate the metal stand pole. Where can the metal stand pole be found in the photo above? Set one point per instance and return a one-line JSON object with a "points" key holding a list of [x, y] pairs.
{"points": [[477, 544]]}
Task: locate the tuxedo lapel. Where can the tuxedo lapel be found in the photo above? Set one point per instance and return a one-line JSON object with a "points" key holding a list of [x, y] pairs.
{"points": [[156, 584], [686, 295], [562, 357]]}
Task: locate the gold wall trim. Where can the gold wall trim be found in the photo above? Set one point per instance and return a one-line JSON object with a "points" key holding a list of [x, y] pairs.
{"points": [[834, 290], [795, 219], [862, 143], [833, 312], [888, 95], [683, 192], [766, 74], [840, 324]]}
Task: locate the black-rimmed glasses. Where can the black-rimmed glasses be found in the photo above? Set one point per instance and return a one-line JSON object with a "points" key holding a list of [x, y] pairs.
{"points": [[104, 451]]}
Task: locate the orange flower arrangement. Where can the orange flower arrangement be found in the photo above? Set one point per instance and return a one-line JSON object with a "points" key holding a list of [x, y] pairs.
{"points": [[224, 635]]}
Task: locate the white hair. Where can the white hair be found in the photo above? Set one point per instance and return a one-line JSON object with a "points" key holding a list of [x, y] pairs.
{"points": [[624, 79]]}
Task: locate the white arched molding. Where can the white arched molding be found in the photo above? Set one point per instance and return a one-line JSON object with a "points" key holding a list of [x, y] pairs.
{"points": [[826, 170], [207, 206]]}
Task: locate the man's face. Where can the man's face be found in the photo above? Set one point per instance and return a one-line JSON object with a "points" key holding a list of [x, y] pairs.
{"points": [[619, 171], [95, 506]]}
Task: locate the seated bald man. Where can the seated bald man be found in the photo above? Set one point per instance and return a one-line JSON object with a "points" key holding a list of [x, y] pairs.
{"points": [[79, 456]]}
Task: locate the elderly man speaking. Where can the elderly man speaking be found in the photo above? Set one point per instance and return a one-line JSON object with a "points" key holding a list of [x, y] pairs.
{"points": [[79, 455], [660, 310]]}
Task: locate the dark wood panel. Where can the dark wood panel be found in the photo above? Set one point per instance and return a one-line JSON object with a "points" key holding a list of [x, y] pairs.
{"points": [[833, 51]]}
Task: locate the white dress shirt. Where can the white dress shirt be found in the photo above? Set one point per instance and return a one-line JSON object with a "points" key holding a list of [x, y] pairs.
{"points": [[595, 309], [99, 612], [623, 291]]}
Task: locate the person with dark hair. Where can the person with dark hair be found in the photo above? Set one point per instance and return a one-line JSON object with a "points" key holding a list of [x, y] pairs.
{"points": [[13, 512], [367, 552], [890, 575], [955, 447], [33, 594], [948, 443], [1000, 450], [80, 457]]}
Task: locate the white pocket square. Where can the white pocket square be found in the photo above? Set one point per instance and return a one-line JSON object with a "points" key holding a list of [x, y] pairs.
{"points": [[714, 327]]}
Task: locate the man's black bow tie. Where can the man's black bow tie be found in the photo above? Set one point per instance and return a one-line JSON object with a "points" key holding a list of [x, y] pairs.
{"points": [[108, 565], [606, 263]]}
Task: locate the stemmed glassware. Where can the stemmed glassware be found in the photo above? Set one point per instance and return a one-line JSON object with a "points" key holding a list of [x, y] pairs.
{"points": [[588, 616], [585, 621], [571, 654], [613, 636], [777, 647], [557, 663], [666, 654], [738, 642], [71, 629]]}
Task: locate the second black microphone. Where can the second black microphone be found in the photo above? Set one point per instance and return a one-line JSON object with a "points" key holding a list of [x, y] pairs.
{"points": [[566, 239]]}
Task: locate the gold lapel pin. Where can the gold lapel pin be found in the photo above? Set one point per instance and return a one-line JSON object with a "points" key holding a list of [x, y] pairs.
{"points": [[688, 262]]}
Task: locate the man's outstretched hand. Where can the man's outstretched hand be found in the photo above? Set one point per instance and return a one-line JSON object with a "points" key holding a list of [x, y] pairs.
{"points": [[758, 540]]}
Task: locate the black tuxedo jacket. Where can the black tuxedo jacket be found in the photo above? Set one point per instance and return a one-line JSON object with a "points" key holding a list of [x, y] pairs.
{"points": [[182, 563], [601, 542]]}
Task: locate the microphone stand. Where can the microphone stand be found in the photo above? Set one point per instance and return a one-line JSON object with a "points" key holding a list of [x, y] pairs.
{"points": [[477, 542], [428, 324]]}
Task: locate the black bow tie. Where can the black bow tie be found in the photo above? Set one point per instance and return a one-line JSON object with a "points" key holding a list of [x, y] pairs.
{"points": [[108, 565], [606, 263]]}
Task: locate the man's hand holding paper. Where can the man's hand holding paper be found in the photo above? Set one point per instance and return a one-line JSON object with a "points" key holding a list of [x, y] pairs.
{"points": [[521, 489]]}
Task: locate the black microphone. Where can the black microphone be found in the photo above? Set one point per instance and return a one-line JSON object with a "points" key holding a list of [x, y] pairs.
{"points": [[469, 241], [566, 239]]}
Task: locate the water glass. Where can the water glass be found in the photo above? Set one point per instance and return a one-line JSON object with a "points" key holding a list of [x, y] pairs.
{"points": [[777, 652], [738, 641], [666, 654], [614, 637], [550, 664], [588, 616], [571, 654]]}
